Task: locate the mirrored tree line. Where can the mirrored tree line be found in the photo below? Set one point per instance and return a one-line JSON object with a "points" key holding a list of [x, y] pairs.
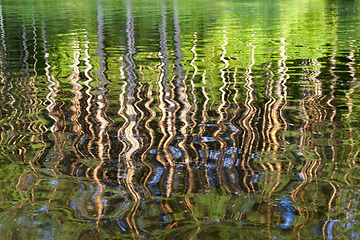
{"points": [[190, 113]]}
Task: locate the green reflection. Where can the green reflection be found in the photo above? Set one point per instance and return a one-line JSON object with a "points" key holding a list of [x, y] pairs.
{"points": [[179, 119]]}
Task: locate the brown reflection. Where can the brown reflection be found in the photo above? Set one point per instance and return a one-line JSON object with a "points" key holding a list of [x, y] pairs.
{"points": [[166, 106], [224, 106], [129, 108], [100, 115], [249, 132], [75, 101], [2, 34], [349, 103], [235, 135], [145, 100], [190, 125], [165, 156]]}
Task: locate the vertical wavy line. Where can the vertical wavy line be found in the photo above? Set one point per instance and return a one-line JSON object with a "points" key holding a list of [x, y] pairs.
{"points": [[220, 111], [162, 153], [246, 121], [130, 111], [152, 137], [2, 34]]}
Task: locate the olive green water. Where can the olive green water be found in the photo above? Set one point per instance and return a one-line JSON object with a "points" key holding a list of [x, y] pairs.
{"points": [[183, 119]]}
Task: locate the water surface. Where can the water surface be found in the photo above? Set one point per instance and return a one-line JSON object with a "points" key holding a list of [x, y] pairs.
{"points": [[179, 119]]}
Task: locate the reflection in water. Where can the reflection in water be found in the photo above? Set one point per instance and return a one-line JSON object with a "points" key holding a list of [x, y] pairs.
{"points": [[178, 124]]}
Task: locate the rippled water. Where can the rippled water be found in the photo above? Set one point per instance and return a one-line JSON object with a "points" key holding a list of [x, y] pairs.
{"points": [[179, 119]]}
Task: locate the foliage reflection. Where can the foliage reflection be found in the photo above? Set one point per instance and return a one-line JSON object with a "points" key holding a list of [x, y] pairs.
{"points": [[179, 120]]}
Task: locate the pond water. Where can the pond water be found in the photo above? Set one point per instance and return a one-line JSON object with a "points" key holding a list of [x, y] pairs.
{"points": [[179, 119]]}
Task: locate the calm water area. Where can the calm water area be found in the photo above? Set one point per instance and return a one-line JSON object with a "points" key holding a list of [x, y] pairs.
{"points": [[179, 119]]}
